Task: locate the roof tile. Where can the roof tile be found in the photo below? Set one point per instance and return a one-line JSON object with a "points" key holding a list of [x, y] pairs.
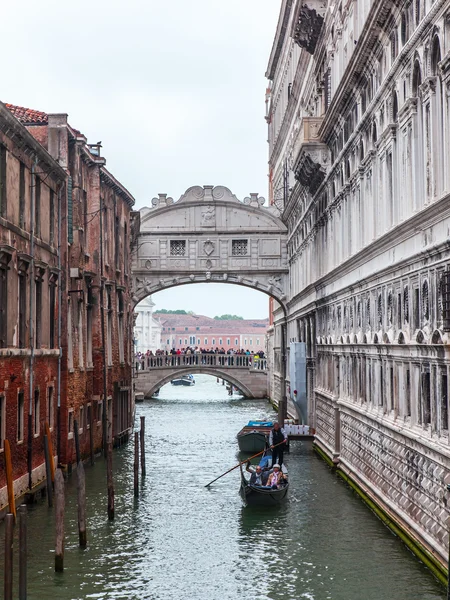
{"points": [[28, 115]]}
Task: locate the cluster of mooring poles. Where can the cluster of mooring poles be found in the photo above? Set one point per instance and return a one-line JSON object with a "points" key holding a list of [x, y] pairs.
{"points": [[56, 498]]}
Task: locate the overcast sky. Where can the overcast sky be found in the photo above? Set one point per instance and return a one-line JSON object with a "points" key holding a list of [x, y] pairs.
{"points": [[173, 89]]}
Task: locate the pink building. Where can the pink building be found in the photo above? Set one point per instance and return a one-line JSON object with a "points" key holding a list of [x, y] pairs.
{"points": [[180, 331]]}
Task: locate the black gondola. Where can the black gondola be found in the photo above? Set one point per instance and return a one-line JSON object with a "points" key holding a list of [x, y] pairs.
{"points": [[260, 495]]}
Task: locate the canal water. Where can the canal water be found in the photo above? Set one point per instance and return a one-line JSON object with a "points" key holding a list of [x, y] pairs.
{"points": [[181, 540]]}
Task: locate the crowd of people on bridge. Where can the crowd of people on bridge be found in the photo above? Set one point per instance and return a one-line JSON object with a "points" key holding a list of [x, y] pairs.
{"points": [[201, 356]]}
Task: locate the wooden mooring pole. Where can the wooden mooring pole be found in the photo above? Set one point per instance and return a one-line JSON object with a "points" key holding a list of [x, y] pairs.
{"points": [[9, 479], [9, 537], [23, 552], [77, 440], [109, 479], [91, 436], [136, 464], [142, 438], [81, 496], [48, 473], [59, 520], [50, 451]]}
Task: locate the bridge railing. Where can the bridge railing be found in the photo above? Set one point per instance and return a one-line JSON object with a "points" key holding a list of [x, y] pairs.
{"points": [[237, 361]]}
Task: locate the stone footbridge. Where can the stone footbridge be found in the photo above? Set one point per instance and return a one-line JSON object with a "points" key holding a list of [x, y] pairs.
{"points": [[246, 373]]}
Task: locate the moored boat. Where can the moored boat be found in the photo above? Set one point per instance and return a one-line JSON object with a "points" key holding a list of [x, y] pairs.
{"points": [[254, 436], [184, 380]]}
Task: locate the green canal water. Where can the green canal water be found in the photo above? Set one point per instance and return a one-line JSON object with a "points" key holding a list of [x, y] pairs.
{"points": [[181, 540]]}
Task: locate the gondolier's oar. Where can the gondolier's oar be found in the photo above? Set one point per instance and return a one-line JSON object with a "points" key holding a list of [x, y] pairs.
{"points": [[243, 462]]}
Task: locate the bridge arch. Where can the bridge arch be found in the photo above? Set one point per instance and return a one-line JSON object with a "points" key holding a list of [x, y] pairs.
{"points": [[209, 236], [148, 384]]}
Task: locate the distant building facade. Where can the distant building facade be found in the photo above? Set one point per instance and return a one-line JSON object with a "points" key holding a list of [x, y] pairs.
{"points": [[359, 128], [147, 330], [181, 331]]}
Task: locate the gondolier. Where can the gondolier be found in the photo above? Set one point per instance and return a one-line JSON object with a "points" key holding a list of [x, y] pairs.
{"points": [[276, 437]]}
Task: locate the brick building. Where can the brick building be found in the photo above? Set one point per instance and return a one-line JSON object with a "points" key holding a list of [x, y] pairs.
{"points": [[32, 185], [180, 331], [93, 208]]}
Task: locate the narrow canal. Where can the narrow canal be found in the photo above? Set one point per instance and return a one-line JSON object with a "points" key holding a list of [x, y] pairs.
{"points": [[181, 540]]}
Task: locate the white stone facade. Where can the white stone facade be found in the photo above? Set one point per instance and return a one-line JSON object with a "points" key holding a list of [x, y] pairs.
{"points": [[359, 129], [147, 330], [210, 236]]}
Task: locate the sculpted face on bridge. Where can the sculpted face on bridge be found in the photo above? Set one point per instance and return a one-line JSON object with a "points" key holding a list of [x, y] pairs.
{"points": [[210, 235]]}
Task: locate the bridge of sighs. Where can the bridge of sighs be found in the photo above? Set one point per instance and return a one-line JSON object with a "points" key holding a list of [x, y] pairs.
{"points": [[209, 236]]}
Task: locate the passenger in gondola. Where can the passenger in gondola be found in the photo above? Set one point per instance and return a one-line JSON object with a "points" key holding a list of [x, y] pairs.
{"points": [[258, 475], [276, 478], [278, 439]]}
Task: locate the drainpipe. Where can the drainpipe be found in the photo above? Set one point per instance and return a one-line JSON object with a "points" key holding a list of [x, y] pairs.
{"points": [[102, 317], [31, 328], [58, 414], [282, 407]]}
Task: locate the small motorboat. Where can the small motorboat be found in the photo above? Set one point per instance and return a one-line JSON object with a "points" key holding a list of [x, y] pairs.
{"points": [[184, 380], [262, 495], [254, 436]]}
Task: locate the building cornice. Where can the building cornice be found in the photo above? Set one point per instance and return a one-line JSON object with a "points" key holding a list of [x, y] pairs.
{"points": [[280, 36], [23, 139], [112, 182]]}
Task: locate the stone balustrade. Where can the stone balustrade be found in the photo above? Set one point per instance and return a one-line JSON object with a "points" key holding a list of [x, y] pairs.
{"points": [[235, 361]]}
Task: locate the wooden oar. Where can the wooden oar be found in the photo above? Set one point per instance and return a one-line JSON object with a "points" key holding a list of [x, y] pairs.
{"points": [[243, 462]]}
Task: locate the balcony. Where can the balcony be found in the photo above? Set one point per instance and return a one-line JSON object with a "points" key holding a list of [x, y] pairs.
{"points": [[311, 154]]}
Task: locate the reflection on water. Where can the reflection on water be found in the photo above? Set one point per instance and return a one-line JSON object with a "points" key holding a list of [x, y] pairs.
{"points": [[180, 540]]}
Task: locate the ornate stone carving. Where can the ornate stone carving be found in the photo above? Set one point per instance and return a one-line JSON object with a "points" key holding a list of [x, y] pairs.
{"points": [[254, 200], [208, 216], [162, 201], [308, 24], [208, 247], [148, 264], [309, 170]]}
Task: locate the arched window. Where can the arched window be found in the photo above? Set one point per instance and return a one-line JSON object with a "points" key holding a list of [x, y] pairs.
{"points": [[394, 107], [404, 28], [416, 79], [425, 301], [374, 133], [347, 169], [363, 101], [417, 11], [435, 55], [394, 45], [361, 150]]}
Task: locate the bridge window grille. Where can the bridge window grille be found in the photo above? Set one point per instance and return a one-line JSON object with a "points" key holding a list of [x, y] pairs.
{"points": [[239, 247], [177, 247]]}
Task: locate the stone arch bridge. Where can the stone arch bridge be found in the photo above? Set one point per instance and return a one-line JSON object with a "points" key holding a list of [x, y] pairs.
{"points": [[250, 377], [209, 236]]}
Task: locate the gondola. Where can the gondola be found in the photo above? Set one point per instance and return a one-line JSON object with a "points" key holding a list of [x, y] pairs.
{"points": [[257, 495], [254, 436]]}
